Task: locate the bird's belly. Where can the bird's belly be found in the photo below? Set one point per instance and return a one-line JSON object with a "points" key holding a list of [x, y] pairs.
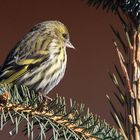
{"points": [[44, 78]]}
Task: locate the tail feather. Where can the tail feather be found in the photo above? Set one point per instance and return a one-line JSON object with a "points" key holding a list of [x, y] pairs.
{"points": [[137, 73], [0, 67], [0, 71]]}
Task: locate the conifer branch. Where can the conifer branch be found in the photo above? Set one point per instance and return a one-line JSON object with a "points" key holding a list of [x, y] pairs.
{"points": [[74, 123], [128, 77], [129, 7], [128, 83]]}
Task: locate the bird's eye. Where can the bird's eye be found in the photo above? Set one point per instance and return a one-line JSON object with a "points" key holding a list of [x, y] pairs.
{"points": [[65, 36]]}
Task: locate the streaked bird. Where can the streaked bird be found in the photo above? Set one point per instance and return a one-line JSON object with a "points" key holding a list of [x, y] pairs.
{"points": [[39, 59]]}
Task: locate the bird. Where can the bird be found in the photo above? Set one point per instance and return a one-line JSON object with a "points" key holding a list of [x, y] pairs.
{"points": [[39, 59]]}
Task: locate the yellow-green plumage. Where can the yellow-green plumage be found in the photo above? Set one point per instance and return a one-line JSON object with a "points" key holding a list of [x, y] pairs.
{"points": [[39, 59]]}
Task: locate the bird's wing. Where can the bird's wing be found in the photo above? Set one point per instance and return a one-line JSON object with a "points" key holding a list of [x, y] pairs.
{"points": [[22, 59], [16, 69]]}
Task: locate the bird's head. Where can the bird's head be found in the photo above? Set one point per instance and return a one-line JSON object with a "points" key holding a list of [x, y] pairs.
{"points": [[58, 30]]}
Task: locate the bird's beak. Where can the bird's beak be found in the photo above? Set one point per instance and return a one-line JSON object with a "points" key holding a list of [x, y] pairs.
{"points": [[69, 45]]}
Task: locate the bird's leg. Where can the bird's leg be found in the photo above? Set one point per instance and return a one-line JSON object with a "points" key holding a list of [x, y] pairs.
{"points": [[47, 97], [43, 96]]}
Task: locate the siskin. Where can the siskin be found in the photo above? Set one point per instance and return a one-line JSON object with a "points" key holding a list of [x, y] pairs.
{"points": [[39, 60]]}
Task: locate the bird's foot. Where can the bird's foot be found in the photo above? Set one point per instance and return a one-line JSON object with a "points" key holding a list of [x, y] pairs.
{"points": [[43, 99]]}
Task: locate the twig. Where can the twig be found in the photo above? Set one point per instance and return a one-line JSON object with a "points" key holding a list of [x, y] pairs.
{"points": [[57, 119]]}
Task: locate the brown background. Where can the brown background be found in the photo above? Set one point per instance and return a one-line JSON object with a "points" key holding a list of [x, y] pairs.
{"points": [[86, 79]]}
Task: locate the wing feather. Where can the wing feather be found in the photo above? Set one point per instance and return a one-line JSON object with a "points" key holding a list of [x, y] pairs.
{"points": [[25, 56]]}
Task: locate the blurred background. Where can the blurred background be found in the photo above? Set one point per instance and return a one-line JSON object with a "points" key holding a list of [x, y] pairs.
{"points": [[86, 79]]}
